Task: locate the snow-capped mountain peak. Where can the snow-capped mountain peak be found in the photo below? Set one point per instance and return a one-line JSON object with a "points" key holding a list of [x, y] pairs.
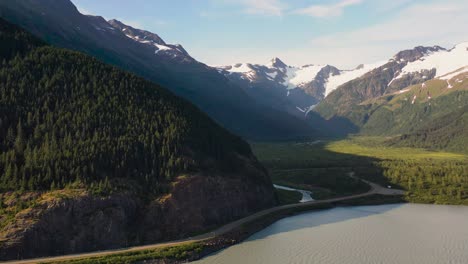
{"points": [[277, 63], [303, 86]]}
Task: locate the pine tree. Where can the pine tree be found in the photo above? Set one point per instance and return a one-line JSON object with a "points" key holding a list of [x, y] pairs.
{"points": [[19, 142]]}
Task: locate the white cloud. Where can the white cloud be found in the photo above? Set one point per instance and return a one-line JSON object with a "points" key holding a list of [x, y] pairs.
{"points": [[266, 7], [330, 10], [261, 7], [407, 24], [438, 23]]}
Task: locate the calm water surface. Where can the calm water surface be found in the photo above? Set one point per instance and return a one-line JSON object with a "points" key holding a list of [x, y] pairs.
{"points": [[404, 233]]}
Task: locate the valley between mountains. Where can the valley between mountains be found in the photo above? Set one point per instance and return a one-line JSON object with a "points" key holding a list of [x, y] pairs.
{"points": [[111, 137]]}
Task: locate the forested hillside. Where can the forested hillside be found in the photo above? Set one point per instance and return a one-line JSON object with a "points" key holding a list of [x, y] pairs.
{"points": [[88, 139], [431, 115], [446, 132], [66, 117]]}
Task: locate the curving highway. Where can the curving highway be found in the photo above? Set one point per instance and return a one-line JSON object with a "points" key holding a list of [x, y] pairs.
{"points": [[375, 189]]}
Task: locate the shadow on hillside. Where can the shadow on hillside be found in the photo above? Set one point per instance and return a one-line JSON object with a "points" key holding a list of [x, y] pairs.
{"points": [[338, 127], [311, 163]]}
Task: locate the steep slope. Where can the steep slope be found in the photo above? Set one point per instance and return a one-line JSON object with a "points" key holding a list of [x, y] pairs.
{"points": [[430, 115], [380, 81], [293, 89], [419, 98], [101, 158], [58, 22], [447, 132]]}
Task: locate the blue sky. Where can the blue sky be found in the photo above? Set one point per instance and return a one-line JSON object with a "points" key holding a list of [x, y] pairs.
{"points": [[344, 33]]}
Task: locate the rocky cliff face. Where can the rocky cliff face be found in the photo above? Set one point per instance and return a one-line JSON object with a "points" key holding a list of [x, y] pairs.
{"points": [[84, 222]]}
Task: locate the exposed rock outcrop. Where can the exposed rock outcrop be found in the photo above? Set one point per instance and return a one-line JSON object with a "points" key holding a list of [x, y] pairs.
{"points": [[86, 222]]}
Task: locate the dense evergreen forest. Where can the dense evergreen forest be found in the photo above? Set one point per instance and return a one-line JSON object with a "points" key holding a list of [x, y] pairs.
{"points": [[66, 118], [446, 132]]}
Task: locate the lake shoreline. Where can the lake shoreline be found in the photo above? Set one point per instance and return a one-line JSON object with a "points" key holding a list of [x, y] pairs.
{"points": [[242, 233], [193, 251]]}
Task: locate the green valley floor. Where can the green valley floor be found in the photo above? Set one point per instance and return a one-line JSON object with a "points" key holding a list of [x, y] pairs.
{"points": [[323, 167]]}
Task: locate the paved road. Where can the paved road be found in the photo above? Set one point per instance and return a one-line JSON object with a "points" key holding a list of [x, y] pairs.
{"points": [[375, 189]]}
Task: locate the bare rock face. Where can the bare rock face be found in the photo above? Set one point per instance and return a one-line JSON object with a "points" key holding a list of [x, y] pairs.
{"points": [[63, 226], [416, 53], [88, 223], [201, 203]]}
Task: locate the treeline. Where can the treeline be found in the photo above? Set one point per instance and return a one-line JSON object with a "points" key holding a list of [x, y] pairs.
{"points": [[66, 118], [430, 181]]}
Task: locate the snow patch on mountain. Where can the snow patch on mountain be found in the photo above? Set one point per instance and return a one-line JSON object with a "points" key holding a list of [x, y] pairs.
{"points": [[300, 76], [444, 61], [161, 48], [272, 75], [455, 73], [239, 68], [334, 81], [292, 77]]}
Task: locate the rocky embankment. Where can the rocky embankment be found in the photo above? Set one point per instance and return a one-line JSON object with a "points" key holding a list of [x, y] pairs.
{"points": [[65, 224]]}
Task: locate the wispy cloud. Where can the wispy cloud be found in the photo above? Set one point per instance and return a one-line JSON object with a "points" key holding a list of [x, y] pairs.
{"points": [[264, 7], [438, 23], [418, 22], [329, 10], [259, 7]]}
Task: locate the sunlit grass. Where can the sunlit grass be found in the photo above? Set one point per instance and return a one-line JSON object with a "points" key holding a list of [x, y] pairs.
{"points": [[374, 147]]}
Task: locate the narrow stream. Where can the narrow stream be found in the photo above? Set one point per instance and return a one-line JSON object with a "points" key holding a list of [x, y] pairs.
{"points": [[306, 195]]}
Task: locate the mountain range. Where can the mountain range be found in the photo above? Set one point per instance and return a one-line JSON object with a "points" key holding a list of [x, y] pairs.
{"points": [[296, 90], [274, 101], [58, 22]]}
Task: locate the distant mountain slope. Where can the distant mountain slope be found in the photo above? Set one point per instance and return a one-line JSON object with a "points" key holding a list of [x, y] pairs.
{"points": [[446, 132], [414, 106], [430, 115], [419, 96], [380, 81], [58, 22], [293, 89], [93, 157]]}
